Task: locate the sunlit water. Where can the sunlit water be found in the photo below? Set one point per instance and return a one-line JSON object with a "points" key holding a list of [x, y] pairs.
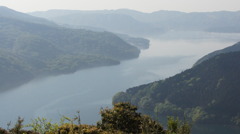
{"points": [[89, 90]]}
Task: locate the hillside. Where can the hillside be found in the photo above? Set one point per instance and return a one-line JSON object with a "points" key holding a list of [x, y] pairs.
{"points": [[207, 93], [138, 23], [29, 50], [234, 48]]}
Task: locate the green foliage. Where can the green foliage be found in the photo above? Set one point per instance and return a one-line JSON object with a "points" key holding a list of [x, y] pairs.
{"points": [[177, 127], [17, 129], [18, 126], [85, 129], [122, 117], [202, 94], [149, 126], [197, 114], [42, 125], [120, 97], [145, 102], [168, 109]]}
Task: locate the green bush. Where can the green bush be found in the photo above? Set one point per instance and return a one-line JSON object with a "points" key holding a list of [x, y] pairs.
{"points": [[123, 118]]}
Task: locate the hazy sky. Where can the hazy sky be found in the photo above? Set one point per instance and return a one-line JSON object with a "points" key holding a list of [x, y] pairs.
{"points": [[140, 5]]}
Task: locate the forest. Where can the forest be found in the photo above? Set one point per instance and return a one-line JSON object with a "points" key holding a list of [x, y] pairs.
{"points": [[208, 93]]}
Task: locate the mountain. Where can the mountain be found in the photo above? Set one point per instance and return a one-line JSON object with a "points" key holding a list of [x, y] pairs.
{"points": [[208, 93], [234, 48], [220, 21], [30, 50], [107, 20], [9, 13], [138, 23], [138, 42]]}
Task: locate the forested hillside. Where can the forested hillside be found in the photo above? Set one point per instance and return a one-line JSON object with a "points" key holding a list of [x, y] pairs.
{"points": [[207, 93], [30, 50]]}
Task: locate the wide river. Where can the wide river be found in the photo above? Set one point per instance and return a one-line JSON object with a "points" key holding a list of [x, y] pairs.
{"points": [[91, 89]]}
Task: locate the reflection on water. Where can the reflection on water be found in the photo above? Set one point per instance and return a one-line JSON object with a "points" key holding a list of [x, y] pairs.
{"points": [[89, 90]]}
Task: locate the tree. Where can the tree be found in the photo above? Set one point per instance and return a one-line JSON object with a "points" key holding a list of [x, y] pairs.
{"points": [[174, 126], [149, 126], [123, 117]]}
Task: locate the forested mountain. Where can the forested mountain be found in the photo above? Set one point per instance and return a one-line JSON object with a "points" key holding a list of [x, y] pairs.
{"points": [[134, 22], [29, 50], [234, 48], [207, 93]]}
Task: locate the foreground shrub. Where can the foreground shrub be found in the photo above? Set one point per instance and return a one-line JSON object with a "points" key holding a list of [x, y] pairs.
{"points": [[84, 129], [122, 117], [150, 126], [3, 131], [42, 126], [177, 127]]}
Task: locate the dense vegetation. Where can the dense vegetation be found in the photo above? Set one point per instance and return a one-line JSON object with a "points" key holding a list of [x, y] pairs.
{"points": [[208, 93], [123, 118], [29, 50]]}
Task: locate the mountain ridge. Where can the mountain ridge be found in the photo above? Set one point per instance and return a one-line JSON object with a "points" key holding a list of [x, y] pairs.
{"points": [[234, 48], [151, 23], [205, 94]]}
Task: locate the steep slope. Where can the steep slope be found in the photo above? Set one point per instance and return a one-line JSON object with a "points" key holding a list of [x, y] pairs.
{"points": [[34, 50], [206, 93], [234, 48]]}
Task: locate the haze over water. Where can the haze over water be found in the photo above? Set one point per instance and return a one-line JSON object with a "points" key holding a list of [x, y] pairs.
{"points": [[89, 90]]}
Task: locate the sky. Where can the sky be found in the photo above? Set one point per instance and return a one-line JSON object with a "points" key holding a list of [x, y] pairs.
{"points": [[139, 5]]}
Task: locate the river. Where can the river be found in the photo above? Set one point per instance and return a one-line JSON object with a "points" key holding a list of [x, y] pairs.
{"points": [[91, 89]]}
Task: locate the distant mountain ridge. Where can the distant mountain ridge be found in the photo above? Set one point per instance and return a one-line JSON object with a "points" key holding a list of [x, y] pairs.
{"points": [[107, 20], [9, 13], [147, 23], [208, 93], [29, 50]]}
